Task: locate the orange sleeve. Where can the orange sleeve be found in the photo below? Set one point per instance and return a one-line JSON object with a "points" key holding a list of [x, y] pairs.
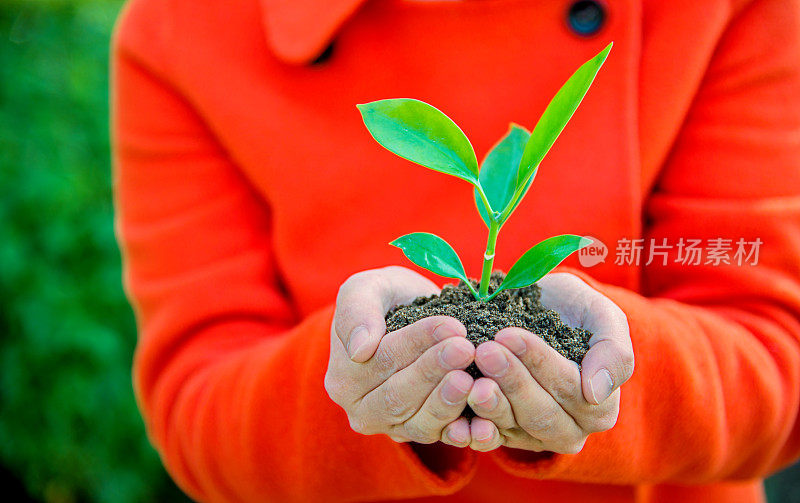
{"points": [[228, 379], [716, 387]]}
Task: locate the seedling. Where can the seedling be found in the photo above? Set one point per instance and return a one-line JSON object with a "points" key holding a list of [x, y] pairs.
{"points": [[420, 133]]}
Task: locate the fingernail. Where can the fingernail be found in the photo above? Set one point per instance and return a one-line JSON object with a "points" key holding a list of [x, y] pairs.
{"points": [[484, 437], [453, 356], [600, 386], [455, 437], [489, 403], [358, 340], [453, 392], [515, 343], [443, 331], [494, 363]]}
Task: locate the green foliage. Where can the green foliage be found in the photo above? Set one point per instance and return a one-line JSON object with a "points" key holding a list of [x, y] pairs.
{"points": [[554, 119], [420, 133], [69, 427], [497, 180], [541, 259], [433, 253]]}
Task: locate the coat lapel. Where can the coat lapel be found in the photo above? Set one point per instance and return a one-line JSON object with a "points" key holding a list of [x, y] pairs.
{"points": [[299, 30]]}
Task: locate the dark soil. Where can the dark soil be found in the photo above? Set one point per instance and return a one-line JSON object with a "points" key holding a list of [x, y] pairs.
{"points": [[515, 308]]}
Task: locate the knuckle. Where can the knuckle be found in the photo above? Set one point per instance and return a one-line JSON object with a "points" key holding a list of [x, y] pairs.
{"points": [[618, 316], [357, 282], [394, 404], [361, 277], [600, 305], [545, 420], [334, 388], [358, 425], [393, 269], [571, 447], [345, 319], [347, 287], [385, 359], [419, 433], [429, 324], [513, 385], [537, 359], [429, 369], [628, 363], [441, 414], [624, 360], [603, 422], [419, 336], [615, 348], [565, 389], [575, 282], [339, 325]]}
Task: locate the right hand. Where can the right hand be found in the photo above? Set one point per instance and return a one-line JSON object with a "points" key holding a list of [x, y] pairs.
{"points": [[408, 384]]}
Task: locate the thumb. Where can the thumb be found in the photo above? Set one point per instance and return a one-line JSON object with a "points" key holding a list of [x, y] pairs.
{"points": [[608, 363], [363, 301]]}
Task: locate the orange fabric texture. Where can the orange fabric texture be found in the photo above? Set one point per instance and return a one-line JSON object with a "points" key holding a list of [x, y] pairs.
{"points": [[248, 190]]}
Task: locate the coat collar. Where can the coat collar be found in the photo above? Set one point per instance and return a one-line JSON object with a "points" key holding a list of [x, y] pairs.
{"points": [[299, 30]]}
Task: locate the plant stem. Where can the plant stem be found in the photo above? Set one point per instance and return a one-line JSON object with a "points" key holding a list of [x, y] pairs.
{"points": [[472, 289], [488, 260], [489, 210], [514, 199]]}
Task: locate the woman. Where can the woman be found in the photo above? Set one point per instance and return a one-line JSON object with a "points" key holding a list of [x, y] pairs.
{"points": [[249, 191]]}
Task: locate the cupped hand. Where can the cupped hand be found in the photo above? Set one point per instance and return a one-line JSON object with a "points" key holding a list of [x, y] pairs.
{"points": [[408, 384], [535, 399]]}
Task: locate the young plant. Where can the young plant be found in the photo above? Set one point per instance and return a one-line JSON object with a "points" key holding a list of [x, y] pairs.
{"points": [[422, 134]]}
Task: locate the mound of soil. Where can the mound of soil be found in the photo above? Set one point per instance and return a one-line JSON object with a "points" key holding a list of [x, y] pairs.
{"points": [[516, 308]]}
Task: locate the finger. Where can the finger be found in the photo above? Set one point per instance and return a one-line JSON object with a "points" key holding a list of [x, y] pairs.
{"points": [[399, 349], [443, 406], [560, 378], [565, 293], [554, 373], [609, 361], [364, 299], [457, 433], [485, 435], [396, 351], [488, 402], [535, 410], [402, 394]]}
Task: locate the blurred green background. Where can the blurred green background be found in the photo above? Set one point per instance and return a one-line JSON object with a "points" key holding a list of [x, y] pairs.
{"points": [[69, 428]]}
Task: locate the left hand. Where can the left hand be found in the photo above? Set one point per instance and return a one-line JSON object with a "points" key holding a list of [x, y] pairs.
{"points": [[535, 399]]}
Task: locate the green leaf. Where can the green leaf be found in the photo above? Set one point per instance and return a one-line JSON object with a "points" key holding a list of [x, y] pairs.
{"points": [[433, 253], [524, 191], [541, 259], [422, 134], [555, 118], [498, 173]]}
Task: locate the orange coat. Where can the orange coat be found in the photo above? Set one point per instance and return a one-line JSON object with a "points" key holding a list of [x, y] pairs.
{"points": [[248, 189]]}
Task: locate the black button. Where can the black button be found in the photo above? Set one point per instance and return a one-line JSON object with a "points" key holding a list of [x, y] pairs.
{"points": [[586, 17]]}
